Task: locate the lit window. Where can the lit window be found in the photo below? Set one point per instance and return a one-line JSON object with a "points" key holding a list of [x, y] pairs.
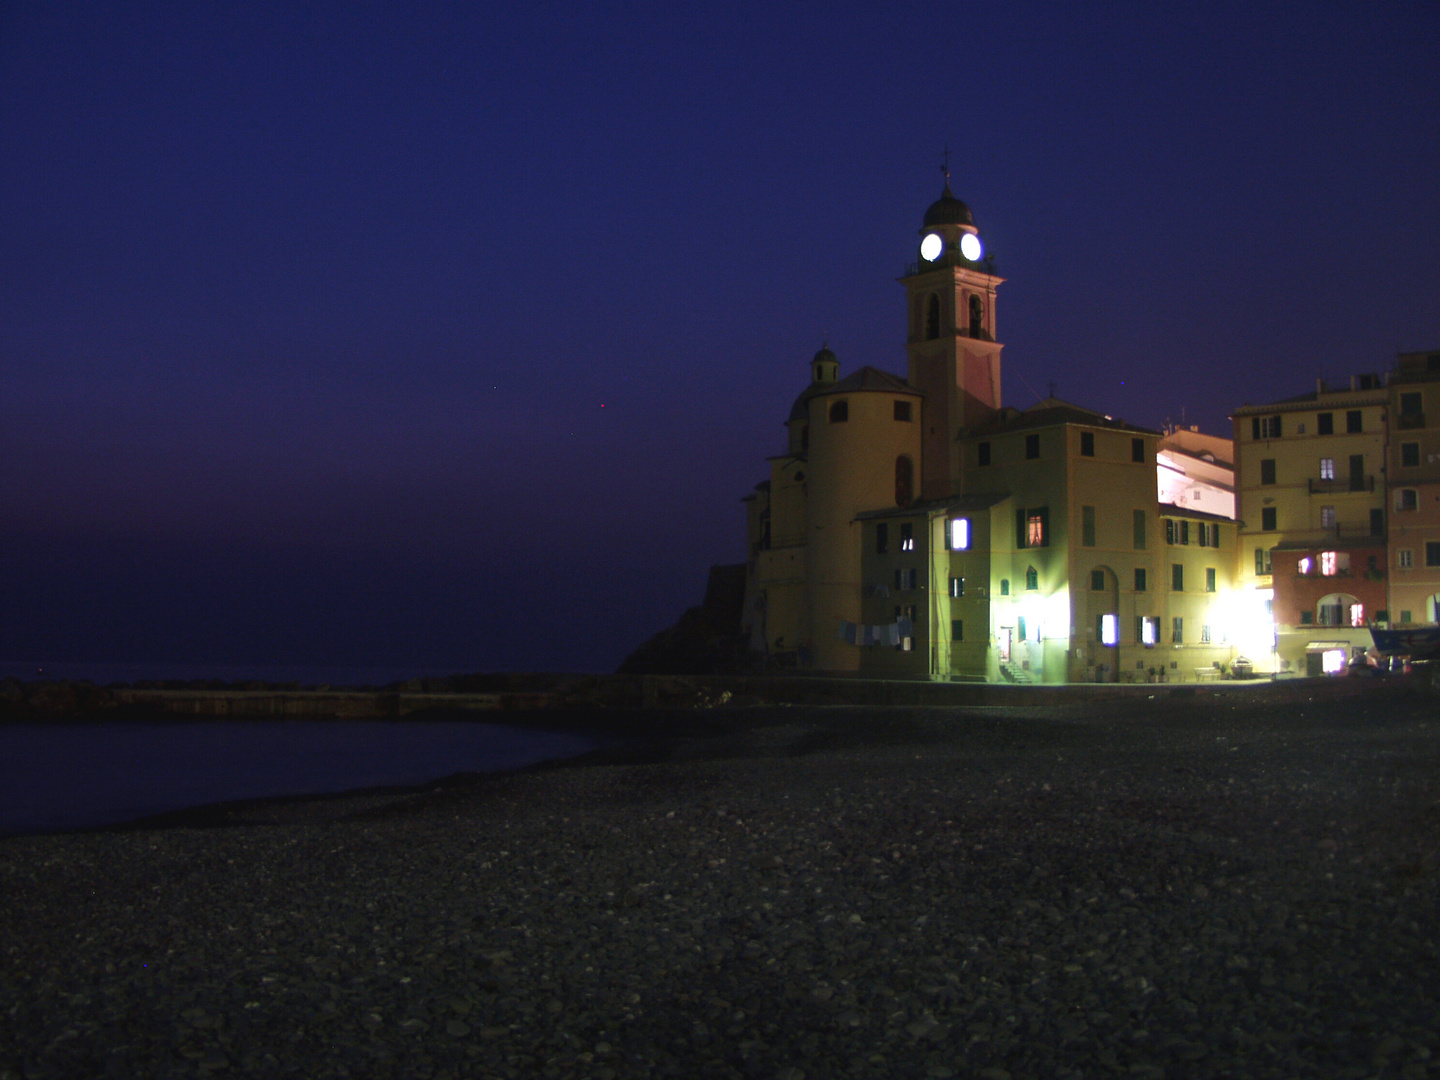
{"points": [[1205, 634], [1357, 614], [1405, 558], [1149, 630], [1327, 468], [907, 536], [957, 587], [1262, 562], [1109, 629], [1035, 530], [1305, 565], [1327, 517], [959, 534]]}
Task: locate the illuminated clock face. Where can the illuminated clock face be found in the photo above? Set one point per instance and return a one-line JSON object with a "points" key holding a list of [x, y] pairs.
{"points": [[931, 247], [970, 246]]}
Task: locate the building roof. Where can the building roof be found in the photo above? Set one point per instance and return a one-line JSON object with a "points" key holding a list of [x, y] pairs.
{"points": [[1050, 413], [934, 507], [866, 379], [947, 210], [1175, 511]]}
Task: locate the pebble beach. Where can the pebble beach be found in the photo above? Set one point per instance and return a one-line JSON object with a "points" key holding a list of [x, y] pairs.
{"points": [[1238, 884]]}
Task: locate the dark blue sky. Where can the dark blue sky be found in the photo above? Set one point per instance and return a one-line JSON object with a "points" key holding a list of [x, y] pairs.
{"points": [[368, 333]]}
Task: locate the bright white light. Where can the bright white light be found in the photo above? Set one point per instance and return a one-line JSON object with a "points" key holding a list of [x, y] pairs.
{"points": [[1332, 660], [1109, 629], [1149, 630], [931, 247], [970, 246], [959, 534]]}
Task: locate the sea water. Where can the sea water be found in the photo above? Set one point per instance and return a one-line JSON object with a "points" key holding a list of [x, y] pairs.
{"points": [[77, 775]]}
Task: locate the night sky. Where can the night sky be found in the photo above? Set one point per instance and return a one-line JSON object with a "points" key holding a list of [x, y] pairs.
{"points": [[447, 338]]}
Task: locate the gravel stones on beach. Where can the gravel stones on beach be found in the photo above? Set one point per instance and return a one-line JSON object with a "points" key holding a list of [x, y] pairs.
{"points": [[1232, 890]]}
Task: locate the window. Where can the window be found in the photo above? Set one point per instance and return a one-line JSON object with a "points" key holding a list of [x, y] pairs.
{"points": [[1377, 522], [1267, 470], [1325, 423], [1327, 517], [1307, 618], [882, 538], [1407, 499], [1004, 586], [1410, 404], [1262, 562], [839, 412], [1432, 553], [907, 536], [1138, 519], [982, 454], [932, 318], [905, 616], [1032, 446], [1203, 532], [1404, 615], [1109, 628], [1032, 527], [904, 480], [1140, 583], [957, 587], [1305, 565], [1177, 630], [977, 318], [1032, 578], [1334, 562], [905, 578], [1205, 634], [1177, 577], [1147, 629], [1087, 526], [1185, 532], [1352, 422], [1209, 579], [1137, 450], [959, 534], [1357, 472], [1267, 519], [902, 411], [1265, 427], [1405, 559], [1327, 468], [957, 629], [1409, 454], [1087, 444], [1020, 628], [1097, 580]]}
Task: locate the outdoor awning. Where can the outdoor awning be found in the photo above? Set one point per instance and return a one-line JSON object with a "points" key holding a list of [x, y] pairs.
{"points": [[1326, 646]]}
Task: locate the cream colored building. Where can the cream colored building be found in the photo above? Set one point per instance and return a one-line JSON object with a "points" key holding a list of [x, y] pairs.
{"points": [[1413, 489], [916, 527]]}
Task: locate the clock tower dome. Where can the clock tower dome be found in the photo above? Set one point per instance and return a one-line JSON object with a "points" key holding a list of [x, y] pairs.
{"points": [[950, 341]]}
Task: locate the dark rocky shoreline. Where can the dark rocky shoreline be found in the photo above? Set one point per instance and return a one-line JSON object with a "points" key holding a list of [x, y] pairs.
{"points": [[1228, 885]]}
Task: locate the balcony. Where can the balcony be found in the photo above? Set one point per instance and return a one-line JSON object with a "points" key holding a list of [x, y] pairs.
{"points": [[1358, 484]]}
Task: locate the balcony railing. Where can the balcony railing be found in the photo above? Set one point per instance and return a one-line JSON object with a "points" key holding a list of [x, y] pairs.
{"points": [[1342, 484]]}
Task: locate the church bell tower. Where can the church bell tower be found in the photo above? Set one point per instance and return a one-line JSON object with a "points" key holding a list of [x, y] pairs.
{"points": [[953, 355]]}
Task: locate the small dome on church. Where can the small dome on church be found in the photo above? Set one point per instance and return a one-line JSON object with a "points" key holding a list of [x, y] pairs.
{"points": [[825, 356], [947, 210]]}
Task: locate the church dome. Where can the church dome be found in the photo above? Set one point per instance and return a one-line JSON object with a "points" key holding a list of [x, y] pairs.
{"points": [[947, 210], [825, 356]]}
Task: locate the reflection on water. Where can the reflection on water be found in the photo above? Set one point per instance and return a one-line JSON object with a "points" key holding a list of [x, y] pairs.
{"points": [[69, 776]]}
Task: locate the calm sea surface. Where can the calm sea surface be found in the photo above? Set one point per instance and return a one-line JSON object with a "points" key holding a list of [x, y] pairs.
{"points": [[70, 776]]}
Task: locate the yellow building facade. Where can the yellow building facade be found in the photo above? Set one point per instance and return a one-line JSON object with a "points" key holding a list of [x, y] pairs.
{"points": [[916, 527]]}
